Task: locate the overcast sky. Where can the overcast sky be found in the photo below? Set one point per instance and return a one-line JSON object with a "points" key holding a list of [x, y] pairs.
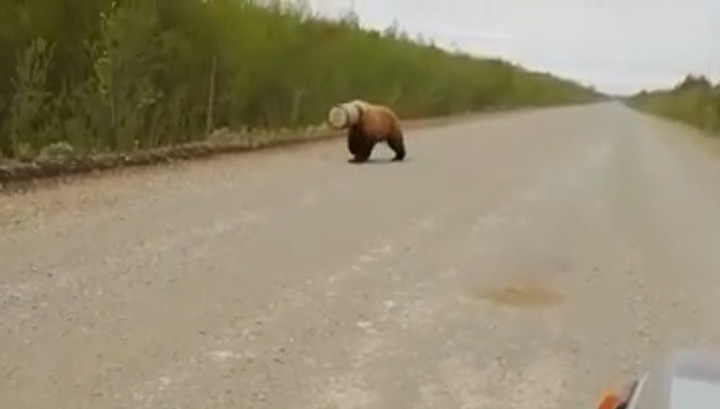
{"points": [[615, 45]]}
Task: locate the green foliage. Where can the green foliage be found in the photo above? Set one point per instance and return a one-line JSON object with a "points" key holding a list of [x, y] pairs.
{"points": [[102, 75], [26, 124], [694, 101]]}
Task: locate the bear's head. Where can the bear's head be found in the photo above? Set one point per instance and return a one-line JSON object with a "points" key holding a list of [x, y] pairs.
{"points": [[345, 115]]}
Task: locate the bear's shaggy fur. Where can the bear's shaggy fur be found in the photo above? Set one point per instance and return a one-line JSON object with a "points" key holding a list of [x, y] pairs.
{"points": [[367, 124]]}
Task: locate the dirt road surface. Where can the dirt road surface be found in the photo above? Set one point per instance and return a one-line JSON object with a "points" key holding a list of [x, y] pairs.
{"points": [[520, 261]]}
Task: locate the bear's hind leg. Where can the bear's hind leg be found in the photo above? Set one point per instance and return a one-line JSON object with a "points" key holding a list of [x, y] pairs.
{"points": [[397, 144]]}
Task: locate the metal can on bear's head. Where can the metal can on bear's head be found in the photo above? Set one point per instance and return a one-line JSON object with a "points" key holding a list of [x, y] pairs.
{"points": [[343, 115]]}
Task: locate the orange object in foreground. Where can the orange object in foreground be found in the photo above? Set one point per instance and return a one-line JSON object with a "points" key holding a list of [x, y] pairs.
{"points": [[610, 401], [682, 379]]}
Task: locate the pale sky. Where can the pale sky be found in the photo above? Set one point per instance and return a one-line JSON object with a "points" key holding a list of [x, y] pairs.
{"points": [[617, 46]]}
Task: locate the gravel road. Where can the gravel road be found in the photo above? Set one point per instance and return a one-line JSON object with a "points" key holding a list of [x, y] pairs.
{"points": [[521, 261]]}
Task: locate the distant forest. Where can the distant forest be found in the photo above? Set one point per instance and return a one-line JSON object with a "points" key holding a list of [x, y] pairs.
{"points": [[694, 101]]}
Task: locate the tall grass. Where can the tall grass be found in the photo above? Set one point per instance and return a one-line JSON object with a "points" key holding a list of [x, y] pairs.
{"points": [[694, 101], [102, 75]]}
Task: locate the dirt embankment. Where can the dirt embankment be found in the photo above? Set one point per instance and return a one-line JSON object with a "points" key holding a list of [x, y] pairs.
{"points": [[15, 174]]}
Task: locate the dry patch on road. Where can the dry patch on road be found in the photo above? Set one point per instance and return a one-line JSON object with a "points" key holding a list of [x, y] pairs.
{"points": [[521, 295], [530, 282]]}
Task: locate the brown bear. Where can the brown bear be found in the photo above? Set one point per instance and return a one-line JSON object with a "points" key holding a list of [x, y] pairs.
{"points": [[368, 124]]}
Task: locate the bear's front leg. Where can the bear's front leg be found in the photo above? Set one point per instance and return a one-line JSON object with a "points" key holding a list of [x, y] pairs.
{"points": [[364, 150], [355, 138]]}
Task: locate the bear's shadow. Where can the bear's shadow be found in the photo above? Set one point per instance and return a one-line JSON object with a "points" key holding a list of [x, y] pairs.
{"points": [[378, 161]]}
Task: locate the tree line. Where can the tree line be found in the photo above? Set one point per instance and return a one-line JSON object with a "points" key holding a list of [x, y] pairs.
{"points": [[95, 76], [695, 101]]}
